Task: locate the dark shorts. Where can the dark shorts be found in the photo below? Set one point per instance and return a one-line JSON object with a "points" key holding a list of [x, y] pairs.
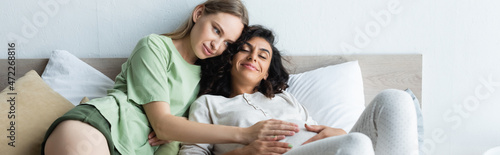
{"points": [[88, 114]]}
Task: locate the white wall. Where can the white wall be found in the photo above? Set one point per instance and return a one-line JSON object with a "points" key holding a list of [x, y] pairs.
{"points": [[459, 40]]}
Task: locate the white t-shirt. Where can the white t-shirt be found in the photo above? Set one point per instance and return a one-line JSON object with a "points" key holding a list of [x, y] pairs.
{"points": [[244, 111]]}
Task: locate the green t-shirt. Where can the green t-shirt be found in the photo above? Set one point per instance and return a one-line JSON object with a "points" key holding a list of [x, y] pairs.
{"points": [[155, 71]]}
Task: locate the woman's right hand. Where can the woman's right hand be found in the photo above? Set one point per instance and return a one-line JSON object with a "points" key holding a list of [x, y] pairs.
{"points": [[262, 147], [323, 132], [270, 130]]}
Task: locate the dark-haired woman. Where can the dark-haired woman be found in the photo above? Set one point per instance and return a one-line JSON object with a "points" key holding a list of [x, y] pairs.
{"points": [[251, 88]]}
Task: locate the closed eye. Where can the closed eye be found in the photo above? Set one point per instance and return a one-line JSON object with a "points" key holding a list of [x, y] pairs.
{"points": [[263, 57], [264, 53], [245, 47]]}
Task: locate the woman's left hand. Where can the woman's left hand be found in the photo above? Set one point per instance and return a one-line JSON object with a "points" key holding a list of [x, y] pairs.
{"points": [[323, 132], [155, 141]]}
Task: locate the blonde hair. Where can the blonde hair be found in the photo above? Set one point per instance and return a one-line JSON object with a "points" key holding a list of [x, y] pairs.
{"points": [[233, 7]]}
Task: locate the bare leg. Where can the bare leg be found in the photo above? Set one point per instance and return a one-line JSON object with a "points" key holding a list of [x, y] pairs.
{"points": [[76, 137]]}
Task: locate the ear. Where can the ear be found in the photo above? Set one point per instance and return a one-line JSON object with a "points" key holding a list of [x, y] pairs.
{"points": [[198, 12], [265, 77]]}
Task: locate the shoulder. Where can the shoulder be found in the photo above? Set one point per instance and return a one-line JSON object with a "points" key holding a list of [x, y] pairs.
{"points": [[154, 46], [285, 95], [155, 38], [155, 41], [206, 99], [288, 97], [278, 96]]}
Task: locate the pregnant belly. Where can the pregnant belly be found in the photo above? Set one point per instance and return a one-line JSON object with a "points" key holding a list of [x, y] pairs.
{"points": [[302, 136]]}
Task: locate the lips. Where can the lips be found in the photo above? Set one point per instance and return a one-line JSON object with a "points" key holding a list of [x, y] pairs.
{"points": [[207, 51], [249, 66]]}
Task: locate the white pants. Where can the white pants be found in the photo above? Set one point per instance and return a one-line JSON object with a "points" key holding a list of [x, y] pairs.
{"points": [[388, 126]]}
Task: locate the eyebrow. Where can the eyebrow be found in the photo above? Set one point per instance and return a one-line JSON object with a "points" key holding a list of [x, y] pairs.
{"points": [[262, 49]]}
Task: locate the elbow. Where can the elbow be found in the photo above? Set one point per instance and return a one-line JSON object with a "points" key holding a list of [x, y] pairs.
{"points": [[168, 130], [162, 132]]}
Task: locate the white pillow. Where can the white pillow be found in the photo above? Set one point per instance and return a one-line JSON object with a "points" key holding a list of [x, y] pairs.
{"points": [[333, 95], [73, 78]]}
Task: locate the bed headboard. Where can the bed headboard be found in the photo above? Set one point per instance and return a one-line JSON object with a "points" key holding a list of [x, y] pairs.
{"points": [[379, 71]]}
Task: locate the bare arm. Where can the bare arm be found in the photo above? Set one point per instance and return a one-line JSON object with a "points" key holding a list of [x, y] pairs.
{"points": [[170, 127], [323, 132]]}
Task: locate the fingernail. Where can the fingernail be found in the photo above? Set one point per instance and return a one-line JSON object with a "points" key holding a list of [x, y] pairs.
{"points": [[290, 145]]}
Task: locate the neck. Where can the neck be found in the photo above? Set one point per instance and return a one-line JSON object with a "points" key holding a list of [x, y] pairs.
{"points": [[239, 88], [184, 47]]}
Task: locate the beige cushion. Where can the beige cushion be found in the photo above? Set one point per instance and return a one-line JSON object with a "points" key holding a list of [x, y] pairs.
{"points": [[36, 107], [84, 100]]}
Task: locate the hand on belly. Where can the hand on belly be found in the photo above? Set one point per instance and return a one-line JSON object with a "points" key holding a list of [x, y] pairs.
{"points": [[302, 136]]}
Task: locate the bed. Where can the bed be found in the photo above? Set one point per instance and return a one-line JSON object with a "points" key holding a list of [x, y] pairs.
{"points": [[379, 71], [34, 108]]}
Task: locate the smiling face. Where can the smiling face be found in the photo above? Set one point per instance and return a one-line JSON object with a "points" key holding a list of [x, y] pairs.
{"points": [[213, 32], [251, 64]]}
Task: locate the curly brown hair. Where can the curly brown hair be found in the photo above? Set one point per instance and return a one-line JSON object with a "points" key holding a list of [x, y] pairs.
{"points": [[216, 71]]}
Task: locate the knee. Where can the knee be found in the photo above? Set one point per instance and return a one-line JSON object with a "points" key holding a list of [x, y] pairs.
{"points": [[75, 137], [358, 140], [357, 143], [393, 98]]}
